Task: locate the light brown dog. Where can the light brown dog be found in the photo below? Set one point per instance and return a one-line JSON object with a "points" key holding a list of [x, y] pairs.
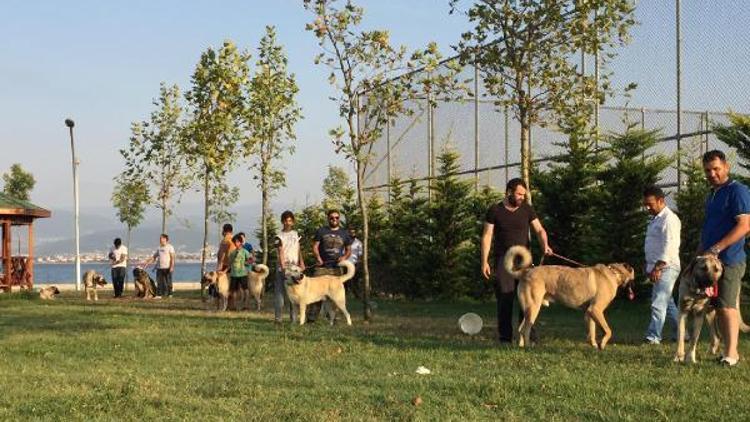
{"points": [[217, 283], [48, 293], [303, 290], [591, 288], [91, 281], [702, 273], [256, 283], [144, 284]]}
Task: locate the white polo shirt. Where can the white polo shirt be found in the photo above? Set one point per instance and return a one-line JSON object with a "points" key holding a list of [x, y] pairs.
{"points": [[663, 240]]}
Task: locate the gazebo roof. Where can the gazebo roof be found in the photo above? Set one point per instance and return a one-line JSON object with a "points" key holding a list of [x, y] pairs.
{"points": [[10, 207]]}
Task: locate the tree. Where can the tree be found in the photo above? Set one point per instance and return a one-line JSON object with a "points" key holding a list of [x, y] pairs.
{"points": [[154, 152], [338, 192], [452, 229], [18, 182], [271, 231], [363, 64], [621, 220], [690, 201], [526, 51], [737, 135], [271, 112], [214, 131], [129, 198]]}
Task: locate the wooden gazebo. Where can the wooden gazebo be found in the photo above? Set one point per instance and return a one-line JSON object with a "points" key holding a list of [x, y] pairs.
{"points": [[18, 270]]}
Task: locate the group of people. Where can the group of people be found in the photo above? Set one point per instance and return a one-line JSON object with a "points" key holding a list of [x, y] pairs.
{"points": [[164, 256], [725, 227]]}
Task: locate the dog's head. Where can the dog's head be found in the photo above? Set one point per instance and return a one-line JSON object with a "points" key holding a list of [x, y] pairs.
{"points": [[138, 273], [99, 280], [706, 271], [293, 275], [54, 290], [209, 278], [624, 272]]}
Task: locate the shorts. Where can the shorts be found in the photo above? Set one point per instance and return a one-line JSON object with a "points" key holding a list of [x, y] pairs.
{"points": [[729, 285], [236, 282]]}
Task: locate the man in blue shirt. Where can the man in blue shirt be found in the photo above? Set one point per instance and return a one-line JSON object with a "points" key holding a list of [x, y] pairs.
{"points": [[726, 224]]}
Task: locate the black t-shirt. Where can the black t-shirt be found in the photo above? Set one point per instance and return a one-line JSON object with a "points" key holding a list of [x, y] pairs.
{"points": [[333, 244], [511, 227]]}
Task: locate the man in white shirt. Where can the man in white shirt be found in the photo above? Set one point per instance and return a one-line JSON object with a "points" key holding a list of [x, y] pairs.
{"points": [[118, 261], [164, 257], [662, 247]]}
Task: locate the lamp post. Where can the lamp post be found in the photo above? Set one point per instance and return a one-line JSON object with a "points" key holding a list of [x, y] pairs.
{"points": [[70, 123]]}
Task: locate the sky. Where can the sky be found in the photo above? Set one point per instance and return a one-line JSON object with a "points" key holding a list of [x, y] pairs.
{"points": [[100, 63]]}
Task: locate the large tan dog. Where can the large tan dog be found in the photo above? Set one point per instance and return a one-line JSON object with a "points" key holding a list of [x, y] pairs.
{"points": [[144, 284], [256, 282], [48, 293], [303, 290], [91, 281], [220, 282], [592, 288], [702, 273]]}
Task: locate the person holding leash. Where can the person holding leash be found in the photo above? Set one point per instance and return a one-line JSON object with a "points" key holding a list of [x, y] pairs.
{"points": [[289, 254], [164, 257], [726, 224], [118, 261], [332, 245], [509, 223], [662, 250]]}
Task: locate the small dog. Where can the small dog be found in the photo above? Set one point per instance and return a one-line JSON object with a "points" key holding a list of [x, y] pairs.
{"points": [[218, 282], [591, 288], [145, 286], [48, 293], [256, 282], [92, 280], [701, 274], [303, 290]]}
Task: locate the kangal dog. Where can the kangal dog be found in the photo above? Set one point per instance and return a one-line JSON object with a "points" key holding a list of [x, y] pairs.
{"points": [[303, 290]]}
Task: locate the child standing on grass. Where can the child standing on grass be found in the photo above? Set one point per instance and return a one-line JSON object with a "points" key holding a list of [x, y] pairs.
{"points": [[290, 255], [237, 269]]}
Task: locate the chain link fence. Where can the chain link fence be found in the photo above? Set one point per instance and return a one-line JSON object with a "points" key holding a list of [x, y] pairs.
{"points": [[488, 137]]}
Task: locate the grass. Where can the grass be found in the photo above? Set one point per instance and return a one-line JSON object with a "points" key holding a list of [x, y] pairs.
{"points": [[171, 359]]}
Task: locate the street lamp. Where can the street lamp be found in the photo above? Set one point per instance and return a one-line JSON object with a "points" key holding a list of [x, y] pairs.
{"points": [[70, 123]]}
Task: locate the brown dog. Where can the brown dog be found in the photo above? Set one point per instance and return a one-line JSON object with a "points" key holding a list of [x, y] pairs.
{"points": [[702, 273], [303, 290], [48, 293], [256, 282], [592, 288], [91, 281], [217, 283], [144, 284]]}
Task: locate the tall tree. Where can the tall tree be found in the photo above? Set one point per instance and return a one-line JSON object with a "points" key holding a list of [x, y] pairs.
{"points": [[214, 130], [129, 197], [737, 135], [271, 112], [364, 61], [154, 152], [690, 201], [18, 182], [527, 53], [338, 192]]}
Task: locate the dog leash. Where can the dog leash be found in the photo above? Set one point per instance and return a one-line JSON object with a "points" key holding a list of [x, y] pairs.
{"points": [[570, 261]]}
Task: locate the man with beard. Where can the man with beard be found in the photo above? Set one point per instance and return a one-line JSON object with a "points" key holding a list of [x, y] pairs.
{"points": [[509, 222], [332, 245]]}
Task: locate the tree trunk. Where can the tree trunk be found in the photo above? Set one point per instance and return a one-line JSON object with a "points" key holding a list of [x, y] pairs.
{"points": [[525, 153], [128, 244], [365, 242], [163, 215], [206, 203], [264, 213]]}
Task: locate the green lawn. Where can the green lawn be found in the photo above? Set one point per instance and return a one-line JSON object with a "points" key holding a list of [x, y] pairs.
{"points": [[171, 359]]}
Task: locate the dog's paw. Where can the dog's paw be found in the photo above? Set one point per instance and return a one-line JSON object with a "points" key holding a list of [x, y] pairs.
{"points": [[691, 358], [679, 359]]}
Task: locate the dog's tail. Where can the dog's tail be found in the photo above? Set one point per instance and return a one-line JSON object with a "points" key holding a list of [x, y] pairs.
{"points": [[349, 270], [510, 258], [262, 269]]}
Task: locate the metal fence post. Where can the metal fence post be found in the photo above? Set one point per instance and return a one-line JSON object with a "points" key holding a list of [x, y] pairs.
{"points": [[643, 128], [679, 105], [429, 150], [507, 142], [476, 127], [705, 142], [388, 159]]}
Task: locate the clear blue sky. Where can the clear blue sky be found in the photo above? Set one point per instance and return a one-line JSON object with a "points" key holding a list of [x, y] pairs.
{"points": [[101, 63]]}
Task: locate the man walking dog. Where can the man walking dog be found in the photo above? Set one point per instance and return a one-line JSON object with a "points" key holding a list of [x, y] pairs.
{"points": [[509, 222], [662, 250], [726, 224]]}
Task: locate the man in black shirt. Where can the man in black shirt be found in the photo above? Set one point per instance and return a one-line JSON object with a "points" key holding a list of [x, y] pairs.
{"points": [[332, 245], [509, 222]]}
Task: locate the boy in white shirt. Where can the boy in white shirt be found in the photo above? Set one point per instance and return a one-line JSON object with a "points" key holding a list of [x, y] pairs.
{"points": [[289, 255], [164, 257], [118, 261]]}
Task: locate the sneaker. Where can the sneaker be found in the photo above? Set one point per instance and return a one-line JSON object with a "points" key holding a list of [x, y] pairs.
{"points": [[651, 341], [727, 361]]}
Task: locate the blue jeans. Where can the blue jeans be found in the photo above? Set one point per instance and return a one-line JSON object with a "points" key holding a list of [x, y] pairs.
{"points": [[662, 304]]}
